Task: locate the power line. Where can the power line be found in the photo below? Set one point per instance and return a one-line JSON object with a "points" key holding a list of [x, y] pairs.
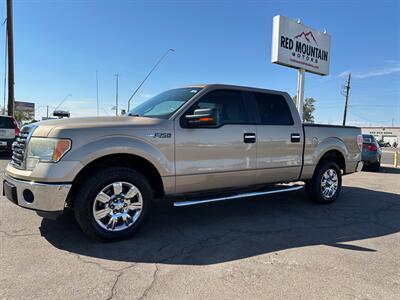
{"points": [[373, 105], [369, 120]]}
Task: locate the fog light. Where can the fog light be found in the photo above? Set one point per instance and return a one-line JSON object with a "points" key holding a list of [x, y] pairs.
{"points": [[28, 196]]}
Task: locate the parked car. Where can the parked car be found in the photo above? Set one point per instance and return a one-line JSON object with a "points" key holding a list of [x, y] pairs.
{"points": [[9, 129], [371, 153], [382, 143], [191, 145]]}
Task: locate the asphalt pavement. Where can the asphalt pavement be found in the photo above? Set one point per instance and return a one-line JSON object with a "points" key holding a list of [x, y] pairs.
{"points": [[277, 247], [388, 155]]}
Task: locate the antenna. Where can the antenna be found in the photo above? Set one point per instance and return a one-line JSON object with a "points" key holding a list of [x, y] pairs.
{"points": [[147, 76]]}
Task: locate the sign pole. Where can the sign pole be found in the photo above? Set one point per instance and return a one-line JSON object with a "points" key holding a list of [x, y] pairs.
{"points": [[301, 47], [300, 92]]}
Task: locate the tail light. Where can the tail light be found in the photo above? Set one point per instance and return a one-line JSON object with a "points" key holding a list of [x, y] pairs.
{"points": [[360, 141], [370, 147], [16, 127]]}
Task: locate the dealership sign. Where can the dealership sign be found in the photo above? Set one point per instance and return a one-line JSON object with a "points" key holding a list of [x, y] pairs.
{"points": [[298, 46]]}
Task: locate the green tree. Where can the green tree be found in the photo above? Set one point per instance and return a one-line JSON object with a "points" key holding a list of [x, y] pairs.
{"points": [[308, 109], [22, 116]]}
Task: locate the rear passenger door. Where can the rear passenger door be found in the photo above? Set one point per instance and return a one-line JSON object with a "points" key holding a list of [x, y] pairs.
{"points": [[216, 157], [279, 139]]}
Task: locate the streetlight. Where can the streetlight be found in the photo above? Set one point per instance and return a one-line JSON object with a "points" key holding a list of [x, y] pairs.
{"points": [[147, 76]]}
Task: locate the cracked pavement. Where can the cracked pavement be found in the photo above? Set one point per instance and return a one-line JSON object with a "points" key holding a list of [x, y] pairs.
{"points": [[279, 246]]}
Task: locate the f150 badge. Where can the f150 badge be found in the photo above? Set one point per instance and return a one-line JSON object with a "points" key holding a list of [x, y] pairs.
{"points": [[161, 135]]}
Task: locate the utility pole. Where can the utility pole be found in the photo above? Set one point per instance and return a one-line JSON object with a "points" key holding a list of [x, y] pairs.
{"points": [[10, 46], [47, 111], [116, 95], [97, 92], [5, 70], [347, 87]]}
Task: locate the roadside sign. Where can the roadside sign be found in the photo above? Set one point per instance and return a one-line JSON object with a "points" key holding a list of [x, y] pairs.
{"points": [[298, 46], [27, 108]]}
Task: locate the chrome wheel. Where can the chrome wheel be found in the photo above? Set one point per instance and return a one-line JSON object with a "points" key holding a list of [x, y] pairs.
{"points": [[329, 183], [118, 206]]}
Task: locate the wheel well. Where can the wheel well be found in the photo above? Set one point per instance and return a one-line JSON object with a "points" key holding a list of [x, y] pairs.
{"points": [[134, 162], [336, 157]]}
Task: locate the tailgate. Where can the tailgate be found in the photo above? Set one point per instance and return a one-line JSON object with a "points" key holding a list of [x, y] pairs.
{"points": [[6, 133]]}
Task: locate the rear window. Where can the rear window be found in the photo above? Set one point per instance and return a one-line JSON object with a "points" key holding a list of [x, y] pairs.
{"points": [[273, 109], [368, 139], [6, 123]]}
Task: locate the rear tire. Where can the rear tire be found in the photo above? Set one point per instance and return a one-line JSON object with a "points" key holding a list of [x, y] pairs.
{"points": [[112, 203], [376, 167], [326, 183]]}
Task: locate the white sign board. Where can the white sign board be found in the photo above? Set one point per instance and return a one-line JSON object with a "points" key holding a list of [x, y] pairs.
{"points": [[298, 46]]}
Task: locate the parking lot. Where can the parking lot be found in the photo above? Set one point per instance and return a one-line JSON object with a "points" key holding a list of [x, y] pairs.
{"points": [[276, 246], [388, 156]]}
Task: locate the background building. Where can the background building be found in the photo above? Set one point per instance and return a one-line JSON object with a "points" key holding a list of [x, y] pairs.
{"points": [[386, 134]]}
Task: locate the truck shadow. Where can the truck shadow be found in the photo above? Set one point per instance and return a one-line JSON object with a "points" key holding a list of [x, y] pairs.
{"points": [[223, 232]]}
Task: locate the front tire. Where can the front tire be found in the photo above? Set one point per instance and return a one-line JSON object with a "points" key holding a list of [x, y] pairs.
{"points": [[112, 203], [326, 183]]}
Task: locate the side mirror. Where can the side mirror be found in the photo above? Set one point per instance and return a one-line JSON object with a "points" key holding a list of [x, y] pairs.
{"points": [[202, 116]]}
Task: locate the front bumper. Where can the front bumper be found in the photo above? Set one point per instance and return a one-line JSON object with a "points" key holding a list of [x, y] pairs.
{"points": [[42, 197]]}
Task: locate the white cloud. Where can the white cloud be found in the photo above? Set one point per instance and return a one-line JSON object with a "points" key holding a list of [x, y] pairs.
{"points": [[395, 68]]}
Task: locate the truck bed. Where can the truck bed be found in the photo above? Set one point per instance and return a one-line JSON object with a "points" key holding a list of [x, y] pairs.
{"points": [[319, 137]]}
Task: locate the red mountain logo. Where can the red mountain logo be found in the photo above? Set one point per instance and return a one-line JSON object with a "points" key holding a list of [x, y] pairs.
{"points": [[306, 35]]}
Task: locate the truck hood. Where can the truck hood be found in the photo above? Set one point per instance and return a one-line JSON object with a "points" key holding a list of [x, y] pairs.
{"points": [[44, 128]]}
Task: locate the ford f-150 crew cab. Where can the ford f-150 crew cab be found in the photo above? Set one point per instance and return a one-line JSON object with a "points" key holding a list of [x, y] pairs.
{"points": [[193, 145]]}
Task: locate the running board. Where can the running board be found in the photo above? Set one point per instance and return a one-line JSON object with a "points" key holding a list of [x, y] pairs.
{"points": [[237, 196]]}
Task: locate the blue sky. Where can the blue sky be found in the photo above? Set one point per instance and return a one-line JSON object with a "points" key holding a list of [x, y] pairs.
{"points": [[59, 45]]}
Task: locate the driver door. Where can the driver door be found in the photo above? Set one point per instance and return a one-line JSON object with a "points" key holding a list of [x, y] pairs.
{"points": [[217, 156]]}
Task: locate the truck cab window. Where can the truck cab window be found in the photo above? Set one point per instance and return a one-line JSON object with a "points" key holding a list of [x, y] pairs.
{"points": [[273, 109], [229, 105]]}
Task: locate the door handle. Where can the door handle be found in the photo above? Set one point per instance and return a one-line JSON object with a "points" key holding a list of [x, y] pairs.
{"points": [[295, 137], [249, 138]]}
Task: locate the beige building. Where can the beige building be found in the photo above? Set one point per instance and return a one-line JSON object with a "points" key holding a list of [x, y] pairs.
{"points": [[386, 134]]}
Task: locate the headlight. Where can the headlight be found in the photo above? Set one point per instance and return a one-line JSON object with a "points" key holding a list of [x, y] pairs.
{"points": [[45, 150]]}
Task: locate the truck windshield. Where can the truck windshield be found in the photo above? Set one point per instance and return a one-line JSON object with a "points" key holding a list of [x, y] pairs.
{"points": [[164, 105]]}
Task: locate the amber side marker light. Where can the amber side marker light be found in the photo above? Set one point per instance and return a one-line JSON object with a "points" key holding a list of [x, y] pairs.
{"points": [[206, 119], [62, 147]]}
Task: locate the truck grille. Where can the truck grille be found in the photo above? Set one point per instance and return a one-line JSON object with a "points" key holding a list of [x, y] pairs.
{"points": [[18, 148]]}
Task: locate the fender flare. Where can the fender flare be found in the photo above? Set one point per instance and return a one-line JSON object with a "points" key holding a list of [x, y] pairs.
{"points": [[117, 144], [330, 144]]}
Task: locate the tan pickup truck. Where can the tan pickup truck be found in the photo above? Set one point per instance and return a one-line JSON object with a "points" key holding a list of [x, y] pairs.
{"points": [[193, 145]]}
